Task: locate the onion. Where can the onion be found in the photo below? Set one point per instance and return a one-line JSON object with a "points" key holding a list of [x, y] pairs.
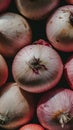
{"points": [[15, 33], [3, 71], [37, 68], [32, 127], [55, 110], [70, 1], [16, 106], [68, 69], [36, 9], [4, 4], [59, 29]]}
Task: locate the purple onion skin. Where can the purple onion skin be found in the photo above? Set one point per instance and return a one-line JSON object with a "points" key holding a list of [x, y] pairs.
{"points": [[36, 10], [4, 4], [55, 105], [59, 29], [68, 71], [69, 1], [37, 68], [15, 33], [16, 107]]}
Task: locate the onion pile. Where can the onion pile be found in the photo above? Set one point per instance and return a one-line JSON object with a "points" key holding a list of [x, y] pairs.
{"points": [[36, 83]]}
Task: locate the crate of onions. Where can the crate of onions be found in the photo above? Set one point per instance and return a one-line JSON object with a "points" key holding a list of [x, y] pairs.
{"points": [[36, 64]]}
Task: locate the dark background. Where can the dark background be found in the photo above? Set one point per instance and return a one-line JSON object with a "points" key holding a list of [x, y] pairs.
{"points": [[38, 30]]}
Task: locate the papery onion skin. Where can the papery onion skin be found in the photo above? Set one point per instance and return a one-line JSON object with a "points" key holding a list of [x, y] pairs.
{"points": [[36, 10], [59, 29], [37, 68], [32, 127], [68, 71], [3, 70], [42, 42], [15, 33], [55, 107], [4, 4], [16, 106]]}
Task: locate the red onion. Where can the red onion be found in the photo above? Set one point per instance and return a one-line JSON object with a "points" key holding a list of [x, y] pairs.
{"points": [[68, 69], [15, 33], [4, 4], [16, 107], [55, 110], [32, 127], [36, 9], [59, 29], [37, 68], [70, 1], [3, 71]]}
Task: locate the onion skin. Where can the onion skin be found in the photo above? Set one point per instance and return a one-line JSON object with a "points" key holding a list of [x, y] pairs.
{"points": [[70, 1], [4, 4], [55, 110], [68, 71], [59, 29], [15, 33], [3, 71], [16, 106], [32, 127], [37, 68], [36, 10], [42, 42]]}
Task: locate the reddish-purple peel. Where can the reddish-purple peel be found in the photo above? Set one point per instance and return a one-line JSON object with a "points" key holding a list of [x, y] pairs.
{"points": [[59, 29], [37, 67], [68, 71], [55, 110], [36, 9], [4, 4]]}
